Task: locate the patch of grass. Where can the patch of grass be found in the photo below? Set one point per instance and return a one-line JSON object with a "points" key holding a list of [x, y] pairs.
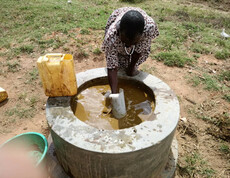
{"points": [[215, 4], [33, 101], [196, 166], [166, 43], [84, 31], [196, 56], [171, 36], [102, 2], [22, 96], [224, 75], [97, 51], [80, 41], [13, 52], [219, 122], [224, 44], [33, 75], [222, 121], [224, 54], [195, 80], [13, 66], [200, 48], [20, 112], [173, 58], [132, 1], [66, 49], [58, 42], [210, 83], [27, 49], [227, 97], [82, 53], [192, 28], [207, 118], [45, 43], [224, 149]]}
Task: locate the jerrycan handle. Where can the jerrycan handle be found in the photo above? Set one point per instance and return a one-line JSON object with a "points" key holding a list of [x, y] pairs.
{"points": [[55, 57]]}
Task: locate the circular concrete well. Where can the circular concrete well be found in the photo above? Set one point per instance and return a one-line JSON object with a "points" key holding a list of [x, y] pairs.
{"points": [[139, 151]]}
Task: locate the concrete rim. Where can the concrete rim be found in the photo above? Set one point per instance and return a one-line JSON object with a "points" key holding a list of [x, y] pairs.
{"points": [[56, 171], [162, 123]]}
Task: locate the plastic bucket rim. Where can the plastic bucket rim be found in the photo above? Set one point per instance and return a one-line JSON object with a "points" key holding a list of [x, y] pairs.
{"points": [[33, 133]]}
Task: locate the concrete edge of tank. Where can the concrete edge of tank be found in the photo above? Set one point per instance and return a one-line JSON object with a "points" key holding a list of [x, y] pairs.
{"points": [[56, 171], [164, 120]]}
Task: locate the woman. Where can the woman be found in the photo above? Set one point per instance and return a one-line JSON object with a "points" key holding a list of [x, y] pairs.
{"points": [[128, 35]]}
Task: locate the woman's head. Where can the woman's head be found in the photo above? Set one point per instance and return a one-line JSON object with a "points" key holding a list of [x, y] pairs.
{"points": [[131, 27]]}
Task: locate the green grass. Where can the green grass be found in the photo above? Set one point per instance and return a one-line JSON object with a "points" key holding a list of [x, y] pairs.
{"points": [[132, 1], [200, 48], [221, 119], [82, 53], [33, 101], [13, 66], [97, 51], [20, 112], [195, 80], [224, 54], [225, 149], [224, 75], [196, 56], [196, 166], [28, 23], [227, 97], [174, 58], [84, 32], [33, 75], [27, 49], [211, 83]]}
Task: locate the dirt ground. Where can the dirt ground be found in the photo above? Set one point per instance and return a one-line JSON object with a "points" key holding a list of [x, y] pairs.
{"points": [[194, 135]]}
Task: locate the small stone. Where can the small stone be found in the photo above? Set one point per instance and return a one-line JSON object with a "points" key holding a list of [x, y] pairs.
{"points": [[25, 128], [44, 107], [183, 119]]}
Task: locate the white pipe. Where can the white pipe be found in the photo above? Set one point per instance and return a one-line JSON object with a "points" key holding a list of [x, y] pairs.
{"points": [[118, 104]]}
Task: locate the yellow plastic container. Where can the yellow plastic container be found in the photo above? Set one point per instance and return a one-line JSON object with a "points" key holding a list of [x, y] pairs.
{"points": [[3, 95], [57, 74]]}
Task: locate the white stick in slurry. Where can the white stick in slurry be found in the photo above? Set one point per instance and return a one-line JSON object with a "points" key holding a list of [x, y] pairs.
{"points": [[118, 104]]}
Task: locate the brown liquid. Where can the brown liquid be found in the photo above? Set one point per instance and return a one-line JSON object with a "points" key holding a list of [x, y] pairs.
{"points": [[93, 109]]}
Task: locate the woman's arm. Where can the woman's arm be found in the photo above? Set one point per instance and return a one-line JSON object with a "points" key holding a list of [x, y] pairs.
{"points": [[131, 68], [113, 81]]}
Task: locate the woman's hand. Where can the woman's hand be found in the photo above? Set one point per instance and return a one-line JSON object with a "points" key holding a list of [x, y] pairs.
{"points": [[131, 70]]}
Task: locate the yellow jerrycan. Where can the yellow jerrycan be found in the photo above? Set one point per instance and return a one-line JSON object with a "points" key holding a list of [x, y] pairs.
{"points": [[57, 74], [3, 95]]}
